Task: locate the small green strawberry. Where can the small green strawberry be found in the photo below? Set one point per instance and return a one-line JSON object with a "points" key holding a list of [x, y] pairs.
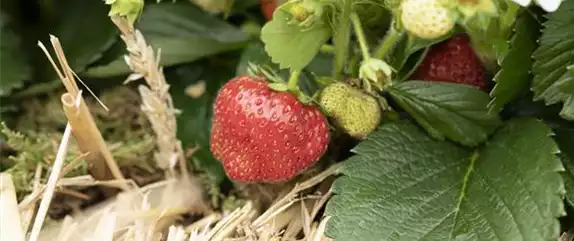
{"points": [[354, 111]]}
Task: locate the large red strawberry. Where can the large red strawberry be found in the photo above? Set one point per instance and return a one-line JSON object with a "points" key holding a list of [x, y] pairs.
{"points": [[453, 60], [262, 135]]}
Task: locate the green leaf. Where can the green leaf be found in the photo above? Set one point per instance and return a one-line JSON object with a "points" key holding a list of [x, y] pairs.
{"points": [[514, 74], [183, 32], [321, 65], [489, 34], [290, 45], [194, 123], [455, 111], [244, 5], [255, 53], [552, 82], [15, 68], [83, 45], [565, 139], [403, 185]]}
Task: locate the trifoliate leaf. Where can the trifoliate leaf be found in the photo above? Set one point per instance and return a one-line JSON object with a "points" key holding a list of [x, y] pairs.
{"points": [[15, 68], [403, 185], [514, 74], [292, 45], [455, 111], [552, 82], [565, 139]]}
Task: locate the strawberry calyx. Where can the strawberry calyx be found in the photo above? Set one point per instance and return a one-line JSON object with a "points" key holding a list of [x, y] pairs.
{"points": [[373, 71], [276, 83], [470, 8], [304, 12]]}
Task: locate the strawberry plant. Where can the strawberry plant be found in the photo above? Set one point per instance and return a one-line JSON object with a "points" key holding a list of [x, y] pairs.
{"points": [[447, 104], [441, 119]]}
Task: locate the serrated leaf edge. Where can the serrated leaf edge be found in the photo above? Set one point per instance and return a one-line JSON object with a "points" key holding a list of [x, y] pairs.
{"points": [[511, 43]]}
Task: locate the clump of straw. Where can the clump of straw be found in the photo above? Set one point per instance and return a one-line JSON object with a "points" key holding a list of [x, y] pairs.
{"points": [[157, 103]]}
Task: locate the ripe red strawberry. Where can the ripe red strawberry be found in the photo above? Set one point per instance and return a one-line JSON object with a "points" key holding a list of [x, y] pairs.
{"points": [[268, 7], [261, 135], [453, 60]]}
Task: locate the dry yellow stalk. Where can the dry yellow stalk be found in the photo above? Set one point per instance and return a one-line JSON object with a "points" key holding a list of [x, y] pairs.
{"points": [[51, 186], [90, 140], [289, 199], [68, 227], [28, 214], [157, 103], [319, 234], [83, 133], [203, 223], [10, 224], [224, 228], [138, 214]]}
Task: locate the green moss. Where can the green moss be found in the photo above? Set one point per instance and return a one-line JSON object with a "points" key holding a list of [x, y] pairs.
{"points": [[124, 127]]}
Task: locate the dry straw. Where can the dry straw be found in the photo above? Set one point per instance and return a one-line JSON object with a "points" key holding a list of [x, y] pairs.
{"points": [[10, 228], [157, 103], [90, 140], [150, 212]]}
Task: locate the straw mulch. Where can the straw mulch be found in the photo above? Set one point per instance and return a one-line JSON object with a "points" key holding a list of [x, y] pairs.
{"points": [[155, 211]]}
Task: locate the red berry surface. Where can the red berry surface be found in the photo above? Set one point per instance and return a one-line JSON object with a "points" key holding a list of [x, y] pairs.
{"points": [[267, 8], [261, 135], [453, 60]]}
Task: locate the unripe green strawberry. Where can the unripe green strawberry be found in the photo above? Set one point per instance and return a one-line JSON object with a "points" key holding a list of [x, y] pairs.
{"points": [[352, 110], [361, 117], [427, 19], [333, 97]]}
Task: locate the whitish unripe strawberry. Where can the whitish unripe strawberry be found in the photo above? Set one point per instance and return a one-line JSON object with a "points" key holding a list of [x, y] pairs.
{"points": [[355, 112], [427, 19]]}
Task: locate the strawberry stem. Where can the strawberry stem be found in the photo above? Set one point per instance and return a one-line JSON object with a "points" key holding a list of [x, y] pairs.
{"points": [[327, 48], [341, 38], [293, 80], [389, 41], [361, 36]]}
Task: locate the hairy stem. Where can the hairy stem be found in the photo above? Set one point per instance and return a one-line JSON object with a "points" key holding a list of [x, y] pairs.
{"points": [[391, 39], [327, 48], [293, 80], [342, 35], [361, 36]]}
